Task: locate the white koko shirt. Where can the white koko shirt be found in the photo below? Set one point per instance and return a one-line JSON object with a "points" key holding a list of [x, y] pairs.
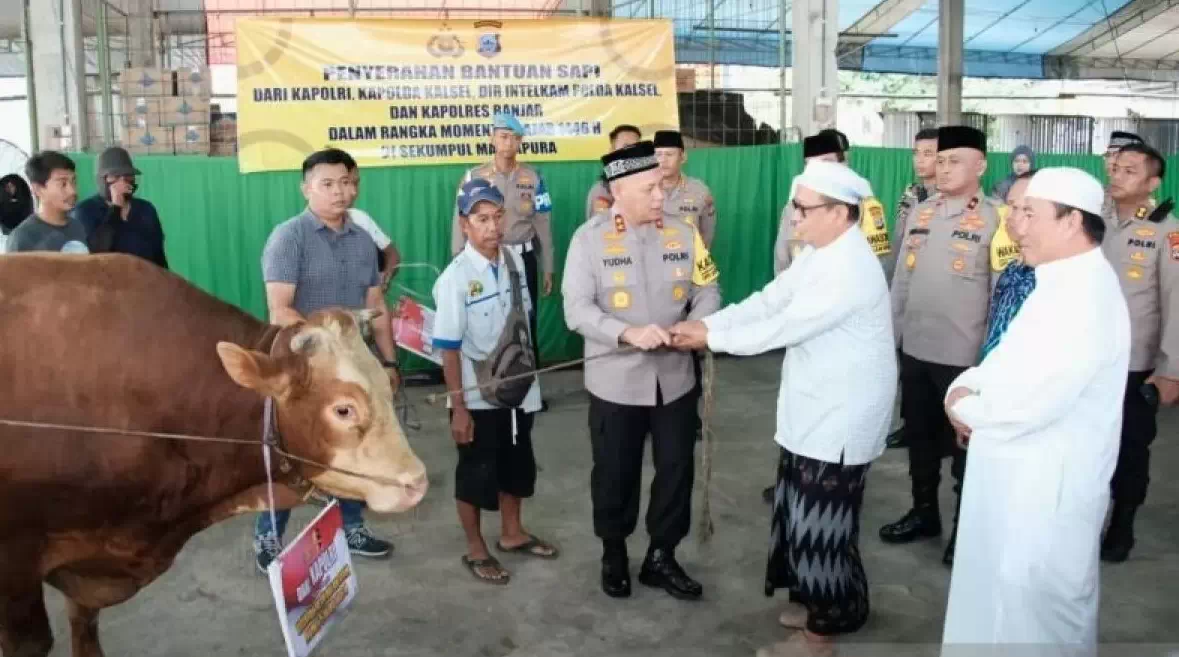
{"points": [[831, 312]]}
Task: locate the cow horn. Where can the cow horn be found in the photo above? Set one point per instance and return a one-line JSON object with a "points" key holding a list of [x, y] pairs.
{"points": [[367, 315], [304, 341]]}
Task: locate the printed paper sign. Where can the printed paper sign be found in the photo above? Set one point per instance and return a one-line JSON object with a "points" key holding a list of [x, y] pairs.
{"points": [[313, 582], [413, 329]]}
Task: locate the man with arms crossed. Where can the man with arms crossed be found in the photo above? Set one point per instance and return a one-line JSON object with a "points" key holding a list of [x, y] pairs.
{"points": [[1041, 415]]}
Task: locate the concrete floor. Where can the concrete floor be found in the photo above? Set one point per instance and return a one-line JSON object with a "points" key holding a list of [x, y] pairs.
{"points": [[422, 603]]}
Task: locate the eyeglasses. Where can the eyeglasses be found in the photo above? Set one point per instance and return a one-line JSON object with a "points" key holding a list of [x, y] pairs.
{"points": [[803, 209]]}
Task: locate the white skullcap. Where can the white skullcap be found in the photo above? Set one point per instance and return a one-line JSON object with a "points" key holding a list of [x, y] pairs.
{"points": [[1067, 186], [834, 180]]}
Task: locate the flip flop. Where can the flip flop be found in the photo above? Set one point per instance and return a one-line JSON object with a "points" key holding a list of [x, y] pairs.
{"points": [[473, 565], [529, 548]]}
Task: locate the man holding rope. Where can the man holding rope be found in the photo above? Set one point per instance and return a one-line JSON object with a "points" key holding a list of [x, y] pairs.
{"points": [[830, 311], [631, 273], [481, 322]]}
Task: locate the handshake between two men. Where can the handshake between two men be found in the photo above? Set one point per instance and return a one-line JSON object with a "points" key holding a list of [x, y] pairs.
{"points": [[685, 336]]}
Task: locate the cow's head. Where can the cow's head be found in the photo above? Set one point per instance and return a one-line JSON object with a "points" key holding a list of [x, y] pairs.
{"points": [[335, 406]]}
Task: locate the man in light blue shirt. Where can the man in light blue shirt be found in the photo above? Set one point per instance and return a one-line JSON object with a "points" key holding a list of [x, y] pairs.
{"points": [[475, 305]]}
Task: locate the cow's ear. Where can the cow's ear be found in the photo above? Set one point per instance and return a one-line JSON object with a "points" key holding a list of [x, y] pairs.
{"points": [[253, 370]]}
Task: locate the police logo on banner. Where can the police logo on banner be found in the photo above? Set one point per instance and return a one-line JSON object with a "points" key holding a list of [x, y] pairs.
{"points": [[444, 44], [489, 41]]}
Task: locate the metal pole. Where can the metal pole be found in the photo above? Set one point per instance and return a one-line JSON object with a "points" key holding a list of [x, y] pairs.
{"points": [[712, 43], [104, 76], [651, 9], [782, 71], [31, 94]]}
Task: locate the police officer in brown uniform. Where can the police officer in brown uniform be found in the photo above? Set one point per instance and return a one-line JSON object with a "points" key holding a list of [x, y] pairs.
{"points": [[1142, 244], [685, 197], [1117, 140], [631, 274], [941, 294], [830, 145], [527, 222], [599, 199]]}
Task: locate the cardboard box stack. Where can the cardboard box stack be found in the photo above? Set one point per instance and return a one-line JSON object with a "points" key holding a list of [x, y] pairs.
{"points": [[165, 111], [188, 111], [223, 134]]}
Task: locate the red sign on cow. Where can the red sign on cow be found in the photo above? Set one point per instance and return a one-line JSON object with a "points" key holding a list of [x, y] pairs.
{"points": [[312, 581]]}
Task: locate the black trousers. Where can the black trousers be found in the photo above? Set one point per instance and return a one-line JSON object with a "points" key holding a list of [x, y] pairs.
{"points": [[618, 433], [531, 277], [1139, 427], [927, 429]]}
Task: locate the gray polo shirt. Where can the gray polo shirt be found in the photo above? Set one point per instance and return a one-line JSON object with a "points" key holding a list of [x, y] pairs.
{"points": [[327, 268]]}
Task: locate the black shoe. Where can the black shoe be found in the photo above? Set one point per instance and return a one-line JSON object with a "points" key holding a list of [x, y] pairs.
{"points": [[948, 555], [660, 570], [919, 522], [616, 577], [362, 542], [1119, 536], [767, 495], [544, 406], [896, 439]]}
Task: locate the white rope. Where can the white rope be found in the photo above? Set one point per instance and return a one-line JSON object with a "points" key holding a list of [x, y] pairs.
{"points": [[267, 409]]}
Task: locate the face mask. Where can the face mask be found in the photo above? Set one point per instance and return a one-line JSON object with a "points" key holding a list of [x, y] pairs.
{"points": [[106, 189]]}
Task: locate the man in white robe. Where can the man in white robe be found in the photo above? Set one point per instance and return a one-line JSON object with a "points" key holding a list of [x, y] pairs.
{"points": [[1042, 417], [830, 310]]}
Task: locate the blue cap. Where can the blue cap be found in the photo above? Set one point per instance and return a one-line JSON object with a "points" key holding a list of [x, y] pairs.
{"points": [[477, 190], [505, 121]]}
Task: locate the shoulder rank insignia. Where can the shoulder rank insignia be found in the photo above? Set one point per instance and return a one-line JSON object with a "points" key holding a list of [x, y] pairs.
{"points": [[1160, 213]]}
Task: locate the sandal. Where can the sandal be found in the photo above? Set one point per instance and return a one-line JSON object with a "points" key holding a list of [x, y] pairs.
{"points": [[501, 577], [533, 547]]}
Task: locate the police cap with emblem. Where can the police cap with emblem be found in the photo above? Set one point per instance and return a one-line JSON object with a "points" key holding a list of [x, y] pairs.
{"points": [[1118, 139], [630, 160], [669, 139], [824, 142], [961, 136]]}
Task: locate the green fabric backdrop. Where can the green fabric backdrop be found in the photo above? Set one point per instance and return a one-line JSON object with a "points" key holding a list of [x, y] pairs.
{"points": [[217, 219]]}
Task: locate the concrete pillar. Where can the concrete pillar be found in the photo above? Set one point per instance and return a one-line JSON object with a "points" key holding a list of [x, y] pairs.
{"points": [[949, 61], [815, 88], [141, 45], [60, 73]]}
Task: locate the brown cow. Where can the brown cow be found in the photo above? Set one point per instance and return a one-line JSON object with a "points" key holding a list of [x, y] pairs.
{"points": [[114, 341]]}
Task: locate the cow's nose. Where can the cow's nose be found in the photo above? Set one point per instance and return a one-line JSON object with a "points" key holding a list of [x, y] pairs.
{"points": [[416, 486]]}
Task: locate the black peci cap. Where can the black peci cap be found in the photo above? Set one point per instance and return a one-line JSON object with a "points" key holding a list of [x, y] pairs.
{"points": [[632, 159], [961, 136]]}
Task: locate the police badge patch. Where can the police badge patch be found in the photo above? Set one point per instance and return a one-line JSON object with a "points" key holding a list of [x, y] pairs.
{"points": [[489, 45]]}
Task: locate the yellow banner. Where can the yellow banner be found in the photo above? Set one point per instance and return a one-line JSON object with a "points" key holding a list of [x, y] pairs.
{"points": [[403, 92]]}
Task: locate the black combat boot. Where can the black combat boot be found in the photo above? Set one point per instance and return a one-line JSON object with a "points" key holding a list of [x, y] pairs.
{"points": [[660, 570], [924, 520], [1119, 536]]}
